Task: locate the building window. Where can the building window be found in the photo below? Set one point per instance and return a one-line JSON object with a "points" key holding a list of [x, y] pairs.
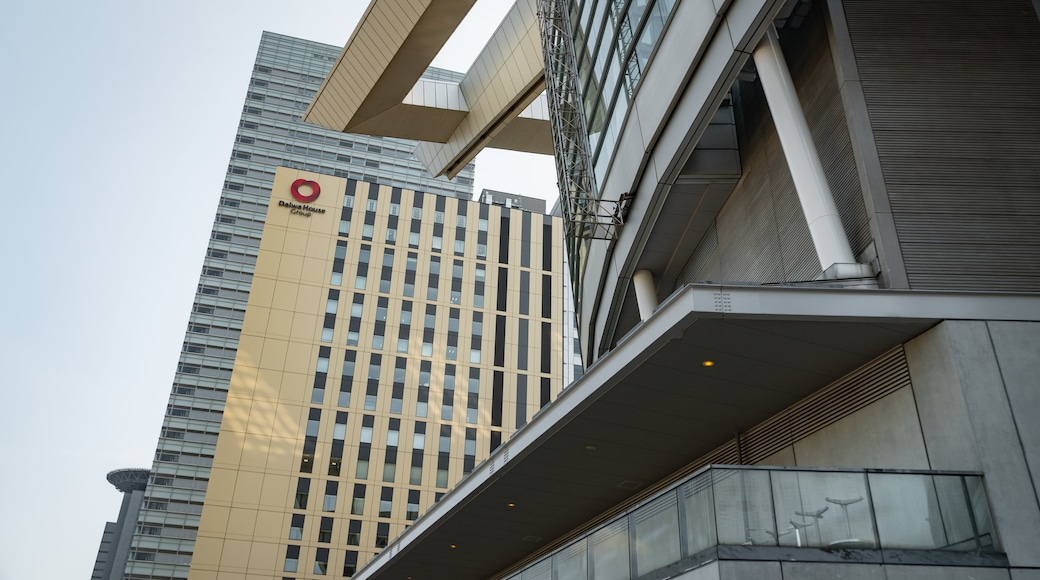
{"points": [[328, 504], [325, 531], [387, 271], [372, 392], [443, 455], [357, 504], [456, 281], [469, 453], [422, 399], [296, 528], [382, 534], [292, 559], [411, 261], [354, 533], [397, 389], [386, 502], [448, 399], [478, 286], [361, 279], [303, 487], [412, 508], [321, 561], [337, 263], [434, 278], [354, 325], [473, 397], [477, 335], [429, 324], [350, 563], [347, 379]]}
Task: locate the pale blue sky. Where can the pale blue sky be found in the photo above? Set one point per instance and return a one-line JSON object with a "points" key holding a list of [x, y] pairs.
{"points": [[116, 122]]}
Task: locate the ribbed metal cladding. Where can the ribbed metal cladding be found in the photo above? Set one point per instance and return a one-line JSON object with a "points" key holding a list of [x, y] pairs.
{"points": [[951, 90], [704, 262], [761, 234], [868, 384], [812, 68]]}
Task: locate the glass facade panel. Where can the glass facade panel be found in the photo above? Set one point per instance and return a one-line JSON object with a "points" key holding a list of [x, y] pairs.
{"points": [[656, 527], [940, 512], [792, 508], [743, 506], [571, 563], [609, 553], [822, 510], [540, 571], [700, 514]]}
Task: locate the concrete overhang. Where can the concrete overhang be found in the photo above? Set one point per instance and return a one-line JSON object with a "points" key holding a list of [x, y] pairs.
{"points": [[650, 408], [375, 86]]}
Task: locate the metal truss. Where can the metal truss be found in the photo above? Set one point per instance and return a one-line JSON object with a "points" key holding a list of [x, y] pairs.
{"points": [[587, 218]]}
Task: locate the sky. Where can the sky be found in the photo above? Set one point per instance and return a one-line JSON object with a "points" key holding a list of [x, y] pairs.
{"points": [[116, 124]]}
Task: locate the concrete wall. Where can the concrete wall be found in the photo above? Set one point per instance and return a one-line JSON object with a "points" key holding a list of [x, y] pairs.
{"points": [[884, 435], [976, 386], [973, 404]]}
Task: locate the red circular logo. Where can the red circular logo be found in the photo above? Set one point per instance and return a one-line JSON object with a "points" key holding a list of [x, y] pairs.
{"points": [[315, 190]]}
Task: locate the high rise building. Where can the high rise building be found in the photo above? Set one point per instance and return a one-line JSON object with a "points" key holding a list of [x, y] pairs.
{"points": [[804, 240], [392, 341], [287, 73]]}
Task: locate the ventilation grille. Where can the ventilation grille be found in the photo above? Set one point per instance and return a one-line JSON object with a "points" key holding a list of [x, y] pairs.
{"points": [[872, 382], [951, 92]]}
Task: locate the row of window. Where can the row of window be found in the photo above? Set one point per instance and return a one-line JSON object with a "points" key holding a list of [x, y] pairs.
{"points": [[430, 337], [458, 286], [613, 42], [419, 215], [321, 560]]}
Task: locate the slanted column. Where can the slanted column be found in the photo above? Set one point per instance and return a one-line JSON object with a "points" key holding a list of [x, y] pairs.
{"points": [[646, 293], [821, 213]]}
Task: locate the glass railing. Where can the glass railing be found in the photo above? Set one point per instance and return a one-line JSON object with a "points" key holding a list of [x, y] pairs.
{"points": [[781, 507]]}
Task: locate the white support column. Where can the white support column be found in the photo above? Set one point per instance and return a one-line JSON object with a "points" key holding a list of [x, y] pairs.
{"points": [[646, 293], [832, 245]]}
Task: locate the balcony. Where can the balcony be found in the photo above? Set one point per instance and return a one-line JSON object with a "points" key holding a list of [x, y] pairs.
{"points": [[776, 513]]}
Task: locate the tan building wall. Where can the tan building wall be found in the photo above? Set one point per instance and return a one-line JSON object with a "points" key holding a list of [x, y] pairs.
{"points": [[283, 436]]}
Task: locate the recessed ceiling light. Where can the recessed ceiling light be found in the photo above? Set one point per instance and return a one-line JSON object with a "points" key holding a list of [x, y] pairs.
{"points": [[453, 546], [511, 504], [708, 363], [590, 448]]}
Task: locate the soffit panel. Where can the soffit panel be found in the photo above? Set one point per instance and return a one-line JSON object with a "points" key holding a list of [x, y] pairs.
{"points": [[388, 52], [650, 408]]}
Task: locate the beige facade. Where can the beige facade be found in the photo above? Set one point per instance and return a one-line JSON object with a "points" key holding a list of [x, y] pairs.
{"points": [[341, 424], [375, 88]]}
